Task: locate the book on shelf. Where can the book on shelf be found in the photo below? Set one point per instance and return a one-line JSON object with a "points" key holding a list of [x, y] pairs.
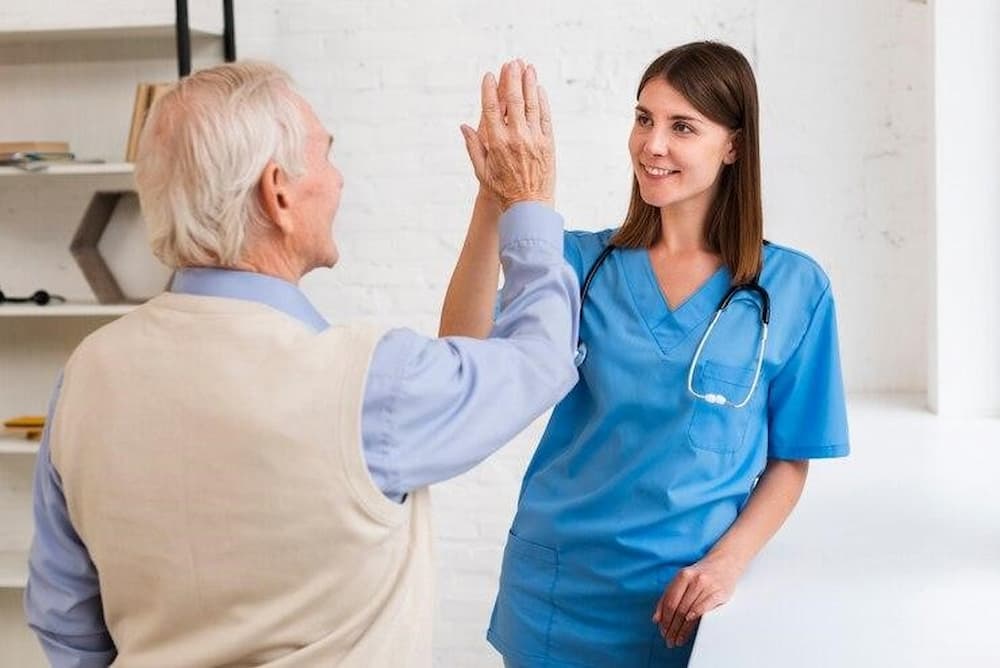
{"points": [[29, 427], [20, 153], [145, 95], [34, 147], [21, 157]]}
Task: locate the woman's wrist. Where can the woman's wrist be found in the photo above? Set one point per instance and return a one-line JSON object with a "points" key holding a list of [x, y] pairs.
{"points": [[729, 556], [488, 205]]}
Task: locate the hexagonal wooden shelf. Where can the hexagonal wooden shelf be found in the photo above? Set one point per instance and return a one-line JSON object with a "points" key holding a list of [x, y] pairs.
{"points": [[84, 247]]}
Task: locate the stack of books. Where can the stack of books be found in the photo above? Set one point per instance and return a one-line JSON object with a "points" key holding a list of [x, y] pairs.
{"points": [[145, 95], [34, 155]]}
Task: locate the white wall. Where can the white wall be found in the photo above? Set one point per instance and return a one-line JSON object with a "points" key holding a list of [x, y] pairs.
{"points": [[965, 364], [845, 138], [844, 88]]}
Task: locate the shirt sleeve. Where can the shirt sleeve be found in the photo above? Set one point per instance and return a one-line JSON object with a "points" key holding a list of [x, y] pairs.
{"points": [[62, 601], [434, 408], [807, 415]]}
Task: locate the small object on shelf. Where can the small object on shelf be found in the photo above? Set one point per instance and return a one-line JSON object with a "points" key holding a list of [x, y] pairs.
{"points": [[37, 421], [29, 427], [145, 95], [40, 297]]}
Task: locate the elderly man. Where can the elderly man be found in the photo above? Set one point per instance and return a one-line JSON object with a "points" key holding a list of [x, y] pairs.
{"points": [[225, 479]]}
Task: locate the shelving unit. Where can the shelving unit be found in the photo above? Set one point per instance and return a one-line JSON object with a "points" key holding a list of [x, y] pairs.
{"points": [[17, 445], [97, 33], [123, 169], [70, 70], [13, 569]]}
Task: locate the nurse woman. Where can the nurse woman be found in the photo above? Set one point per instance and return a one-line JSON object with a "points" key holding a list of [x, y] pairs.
{"points": [[685, 444]]}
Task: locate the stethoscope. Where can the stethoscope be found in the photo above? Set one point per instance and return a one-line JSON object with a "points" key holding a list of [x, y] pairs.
{"points": [[710, 397]]}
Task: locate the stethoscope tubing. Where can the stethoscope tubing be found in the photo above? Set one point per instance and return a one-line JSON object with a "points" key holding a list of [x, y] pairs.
{"points": [[712, 398]]}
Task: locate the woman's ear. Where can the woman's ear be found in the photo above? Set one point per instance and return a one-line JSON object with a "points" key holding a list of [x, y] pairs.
{"points": [[733, 148], [274, 196]]}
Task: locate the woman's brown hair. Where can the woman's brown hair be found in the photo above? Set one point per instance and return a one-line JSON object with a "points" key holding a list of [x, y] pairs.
{"points": [[718, 81]]}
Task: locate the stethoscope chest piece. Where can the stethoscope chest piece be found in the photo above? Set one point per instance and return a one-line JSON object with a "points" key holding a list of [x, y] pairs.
{"points": [[581, 354]]}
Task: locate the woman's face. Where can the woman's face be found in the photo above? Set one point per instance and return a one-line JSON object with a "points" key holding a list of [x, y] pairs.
{"points": [[677, 153]]}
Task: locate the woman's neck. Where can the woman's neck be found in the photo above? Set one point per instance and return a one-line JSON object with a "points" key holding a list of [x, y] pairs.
{"points": [[682, 227]]}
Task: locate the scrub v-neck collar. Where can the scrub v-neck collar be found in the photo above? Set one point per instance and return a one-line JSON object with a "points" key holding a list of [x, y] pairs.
{"points": [[669, 327]]}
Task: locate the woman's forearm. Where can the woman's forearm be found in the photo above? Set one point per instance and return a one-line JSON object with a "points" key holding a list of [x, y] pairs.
{"points": [[770, 504], [709, 583], [469, 301]]}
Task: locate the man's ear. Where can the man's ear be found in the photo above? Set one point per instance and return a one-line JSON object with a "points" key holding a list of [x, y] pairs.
{"points": [[275, 196]]}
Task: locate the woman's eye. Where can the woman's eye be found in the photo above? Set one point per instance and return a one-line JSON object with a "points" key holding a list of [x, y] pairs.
{"points": [[683, 128], [643, 121]]}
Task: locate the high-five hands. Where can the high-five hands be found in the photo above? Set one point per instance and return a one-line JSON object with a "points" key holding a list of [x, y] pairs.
{"points": [[512, 152]]}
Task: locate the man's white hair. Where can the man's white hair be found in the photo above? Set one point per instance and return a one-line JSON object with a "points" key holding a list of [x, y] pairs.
{"points": [[201, 155]]}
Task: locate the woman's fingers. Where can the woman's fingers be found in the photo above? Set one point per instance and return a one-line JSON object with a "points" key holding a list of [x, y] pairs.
{"points": [[476, 150]]}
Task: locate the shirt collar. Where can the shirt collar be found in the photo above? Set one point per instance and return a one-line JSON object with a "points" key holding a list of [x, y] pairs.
{"points": [[249, 286]]}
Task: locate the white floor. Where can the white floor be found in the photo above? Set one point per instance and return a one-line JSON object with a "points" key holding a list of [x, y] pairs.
{"points": [[892, 557]]}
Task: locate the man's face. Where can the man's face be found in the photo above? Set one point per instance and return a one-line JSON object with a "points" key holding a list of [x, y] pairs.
{"points": [[318, 195]]}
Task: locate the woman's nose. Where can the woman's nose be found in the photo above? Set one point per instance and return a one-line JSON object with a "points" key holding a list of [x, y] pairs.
{"points": [[657, 142]]}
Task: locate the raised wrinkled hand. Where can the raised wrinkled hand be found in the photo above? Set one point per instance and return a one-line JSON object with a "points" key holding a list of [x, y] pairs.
{"points": [[512, 152]]}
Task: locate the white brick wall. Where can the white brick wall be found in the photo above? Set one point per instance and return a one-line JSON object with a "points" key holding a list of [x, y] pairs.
{"points": [[844, 89], [845, 94]]}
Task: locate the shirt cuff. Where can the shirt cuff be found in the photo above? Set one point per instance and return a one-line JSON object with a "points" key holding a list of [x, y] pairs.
{"points": [[531, 221]]}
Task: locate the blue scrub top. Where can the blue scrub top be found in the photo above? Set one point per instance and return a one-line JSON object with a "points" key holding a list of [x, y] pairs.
{"points": [[634, 477]]}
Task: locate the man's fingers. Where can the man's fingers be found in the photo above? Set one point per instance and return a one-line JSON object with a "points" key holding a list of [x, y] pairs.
{"points": [[512, 94], [532, 110], [544, 112], [492, 118]]}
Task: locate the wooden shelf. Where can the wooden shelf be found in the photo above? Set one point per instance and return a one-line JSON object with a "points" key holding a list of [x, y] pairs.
{"points": [[107, 33], [68, 310], [17, 445], [13, 569], [72, 169]]}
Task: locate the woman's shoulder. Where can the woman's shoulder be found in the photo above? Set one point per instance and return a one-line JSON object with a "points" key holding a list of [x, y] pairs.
{"points": [[792, 269], [582, 247]]}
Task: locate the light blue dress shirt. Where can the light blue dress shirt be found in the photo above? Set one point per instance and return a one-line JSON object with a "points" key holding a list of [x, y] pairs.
{"points": [[635, 478], [433, 408]]}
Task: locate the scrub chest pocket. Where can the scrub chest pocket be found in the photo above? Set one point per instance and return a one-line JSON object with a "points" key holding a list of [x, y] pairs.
{"points": [[721, 428]]}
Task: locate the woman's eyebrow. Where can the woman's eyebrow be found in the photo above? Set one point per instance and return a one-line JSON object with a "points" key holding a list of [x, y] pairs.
{"points": [[674, 117]]}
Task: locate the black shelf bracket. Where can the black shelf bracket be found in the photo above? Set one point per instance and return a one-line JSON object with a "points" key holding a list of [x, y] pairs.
{"points": [[183, 31]]}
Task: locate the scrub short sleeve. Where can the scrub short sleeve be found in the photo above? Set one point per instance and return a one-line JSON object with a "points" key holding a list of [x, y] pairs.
{"points": [[573, 254], [807, 415]]}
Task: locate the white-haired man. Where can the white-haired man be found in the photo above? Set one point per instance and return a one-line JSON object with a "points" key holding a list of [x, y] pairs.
{"points": [[225, 480]]}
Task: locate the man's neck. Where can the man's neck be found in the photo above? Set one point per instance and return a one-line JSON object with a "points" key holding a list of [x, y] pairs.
{"points": [[271, 263]]}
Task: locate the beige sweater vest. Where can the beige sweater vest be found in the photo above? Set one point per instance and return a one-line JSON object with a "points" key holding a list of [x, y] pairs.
{"points": [[210, 453]]}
